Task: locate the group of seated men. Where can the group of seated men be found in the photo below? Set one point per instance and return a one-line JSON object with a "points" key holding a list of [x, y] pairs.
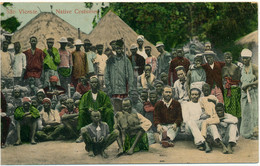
{"points": [[99, 112]]}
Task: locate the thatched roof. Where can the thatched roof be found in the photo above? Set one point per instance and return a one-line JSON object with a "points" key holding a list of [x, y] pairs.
{"points": [[250, 38], [43, 26], [112, 27]]}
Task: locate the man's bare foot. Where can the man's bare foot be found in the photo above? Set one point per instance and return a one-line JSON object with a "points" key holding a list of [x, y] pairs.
{"points": [[19, 142], [229, 147], [91, 154], [79, 140], [130, 151], [225, 150], [120, 152], [103, 154], [33, 142]]}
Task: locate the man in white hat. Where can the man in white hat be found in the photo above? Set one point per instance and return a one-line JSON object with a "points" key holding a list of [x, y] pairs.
{"points": [[249, 97], [8, 38], [163, 59], [79, 63], [65, 66], [140, 49], [50, 62]]}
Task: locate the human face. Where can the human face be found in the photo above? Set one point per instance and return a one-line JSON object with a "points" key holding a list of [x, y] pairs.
{"points": [[246, 60], [87, 45], [5, 45], [193, 47], [119, 50], [164, 78], [228, 59], [133, 51], [147, 71], [95, 116], [144, 96], [210, 59], [53, 103], [160, 49], [17, 48], [53, 83], [194, 96], [126, 105], [70, 103], [94, 83], [180, 53], [78, 47], [174, 54], [63, 101], [34, 103], [50, 44], [26, 106], [33, 42], [220, 111], [159, 88], [63, 45], [17, 93], [181, 75], [40, 96], [206, 89], [47, 105], [100, 50], [153, 98], [198, 62], [148, 51], [167, 94], [140, 43]]}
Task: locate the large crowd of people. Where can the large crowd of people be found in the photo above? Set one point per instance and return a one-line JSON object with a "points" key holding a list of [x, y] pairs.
{"points": [[101, 95]]}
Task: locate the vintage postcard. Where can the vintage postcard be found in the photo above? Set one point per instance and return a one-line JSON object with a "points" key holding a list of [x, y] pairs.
{"points": [[129, 83]]}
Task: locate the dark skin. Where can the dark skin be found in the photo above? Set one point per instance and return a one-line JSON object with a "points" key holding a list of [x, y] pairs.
{"points": [[133, 51], [144, 96], [33, 42], [153, 98], [210, 59], [5, 46], [100, 50], [194, 95], [47, 109], [147, 71], [87, 46], [140, 44], [148, 52], [17, 49], [159, 89], [119, 51], [247, 64], [230, 69], [78, 47], [180, 53], [63, 46], [164, 78], [160, 49]]}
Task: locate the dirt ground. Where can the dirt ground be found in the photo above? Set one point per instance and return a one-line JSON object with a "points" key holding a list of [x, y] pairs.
{"points": [[60, 152]]}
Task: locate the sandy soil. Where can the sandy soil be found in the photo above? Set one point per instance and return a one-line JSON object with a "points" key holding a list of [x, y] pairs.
{"points": [[60, 152]]}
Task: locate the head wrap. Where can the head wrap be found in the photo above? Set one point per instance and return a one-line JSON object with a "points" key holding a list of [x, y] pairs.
{"points": [[63, 40], [40, 91], [140, 37], [158, 44], [133, 46], [46, 100], [246, 53], [54, 79], [26, 100]]}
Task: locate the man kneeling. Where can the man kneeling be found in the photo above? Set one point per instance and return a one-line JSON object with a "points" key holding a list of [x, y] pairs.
{"points": [[96, 135]]}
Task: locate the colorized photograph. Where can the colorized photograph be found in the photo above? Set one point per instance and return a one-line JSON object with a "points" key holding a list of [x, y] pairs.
{"points": [[129, 83]]}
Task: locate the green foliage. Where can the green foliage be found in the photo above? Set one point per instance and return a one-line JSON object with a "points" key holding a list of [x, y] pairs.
{"points": [[88, 5], [177, 23], [10, 24]]}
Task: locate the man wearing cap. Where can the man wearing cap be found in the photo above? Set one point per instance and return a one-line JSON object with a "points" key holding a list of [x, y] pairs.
{"points": [[19, 64], [50, 123], [90, 57], [26, 115], [163, 59], [34, 58], [119, 76], [192, 52], [196, 76], [79, 63], [178, 61], [54, 90], [50, 62], [158, 84], [6, 62], [140, 49], [151, 60], [65, 66], [137, 61], [213, 71], [249, 97], [100, 63], [113, 46]]}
